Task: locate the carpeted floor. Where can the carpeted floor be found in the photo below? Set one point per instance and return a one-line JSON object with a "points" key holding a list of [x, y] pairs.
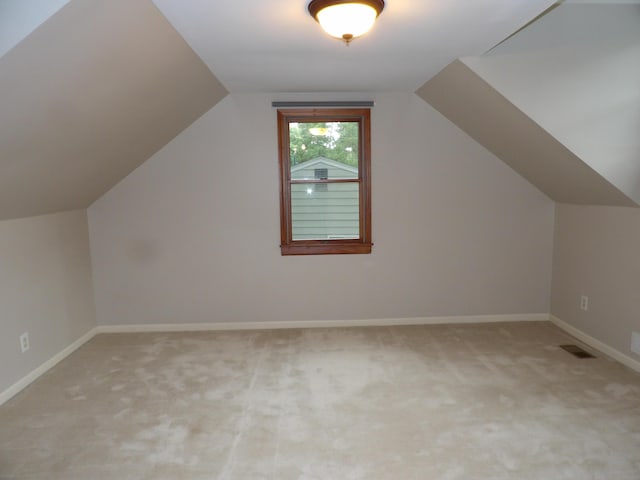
{"points": [[494, 401]]}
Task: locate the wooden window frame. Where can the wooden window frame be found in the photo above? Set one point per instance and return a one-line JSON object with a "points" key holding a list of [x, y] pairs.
{"points": [[361, 245]]}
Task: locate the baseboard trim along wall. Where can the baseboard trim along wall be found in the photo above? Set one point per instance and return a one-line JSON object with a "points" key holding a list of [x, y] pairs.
{"points": [[32, 376], [597, 344], [376, 322], [195, 327]]}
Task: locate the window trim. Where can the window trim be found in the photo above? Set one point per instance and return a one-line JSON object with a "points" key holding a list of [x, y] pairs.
{"points": [[361, 245]]}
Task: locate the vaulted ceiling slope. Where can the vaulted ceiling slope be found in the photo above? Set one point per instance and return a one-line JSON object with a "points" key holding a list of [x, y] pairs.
{"points": [[94, 90], [493, 121], [88, 96], [559, 102]]}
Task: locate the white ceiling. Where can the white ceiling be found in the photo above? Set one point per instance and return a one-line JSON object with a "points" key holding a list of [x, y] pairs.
{"points": [[276, 46]]}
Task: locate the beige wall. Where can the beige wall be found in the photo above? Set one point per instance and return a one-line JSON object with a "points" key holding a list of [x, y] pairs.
{"points": [[193, 234], [597, 254], [45, 289]]}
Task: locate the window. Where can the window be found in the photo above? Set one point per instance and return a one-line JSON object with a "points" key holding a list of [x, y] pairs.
{"points": [[325, 176], [321, 174]]}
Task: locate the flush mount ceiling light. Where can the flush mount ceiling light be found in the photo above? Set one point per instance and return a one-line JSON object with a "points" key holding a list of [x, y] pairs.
{"points": [[346, 19]]}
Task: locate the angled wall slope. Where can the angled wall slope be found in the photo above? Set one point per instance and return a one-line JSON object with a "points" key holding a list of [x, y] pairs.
{"points": [[493, 121], [87, 97], [559, 102]]}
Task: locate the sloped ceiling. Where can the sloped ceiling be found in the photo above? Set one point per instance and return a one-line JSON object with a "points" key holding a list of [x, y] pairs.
{"points": [[93, 91], [87, 97], [493, 121], [559, 101]]}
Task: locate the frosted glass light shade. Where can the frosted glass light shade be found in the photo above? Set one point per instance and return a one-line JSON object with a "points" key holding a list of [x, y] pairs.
{"points": [[346, 19], [352, 19]]}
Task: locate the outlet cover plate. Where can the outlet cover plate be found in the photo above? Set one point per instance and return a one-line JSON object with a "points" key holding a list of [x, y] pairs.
{"points": [[635, 342], [584, 303]]}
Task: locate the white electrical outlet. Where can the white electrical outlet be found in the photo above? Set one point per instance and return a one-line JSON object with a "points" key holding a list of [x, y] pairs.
{"points": [[24, 342], [635, 342], [584, 303]]}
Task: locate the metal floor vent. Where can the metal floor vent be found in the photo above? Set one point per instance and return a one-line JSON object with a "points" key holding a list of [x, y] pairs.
{"points": [[576, 351]]}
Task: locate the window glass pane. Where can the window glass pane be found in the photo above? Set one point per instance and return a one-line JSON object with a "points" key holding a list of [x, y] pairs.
{"points": [[331, 147], [331, 212]]}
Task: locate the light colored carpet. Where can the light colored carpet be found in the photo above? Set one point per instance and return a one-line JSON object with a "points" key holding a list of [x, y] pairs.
{"points": [[497, 401]]}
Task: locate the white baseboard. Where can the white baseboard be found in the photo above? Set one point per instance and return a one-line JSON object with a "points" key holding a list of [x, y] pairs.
{"points": [[376, 322], [53, 361], [597, 344], [195, 327]]}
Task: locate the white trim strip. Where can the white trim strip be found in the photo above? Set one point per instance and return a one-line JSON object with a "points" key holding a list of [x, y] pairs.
{"points": [[377, 322], [193, 327], [597, 344], [42, 369], [196, 327]]}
